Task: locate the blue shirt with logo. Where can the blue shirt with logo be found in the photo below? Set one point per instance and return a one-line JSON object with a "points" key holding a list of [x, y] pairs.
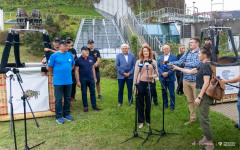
{"points": [[62, 68], [85, 68]]}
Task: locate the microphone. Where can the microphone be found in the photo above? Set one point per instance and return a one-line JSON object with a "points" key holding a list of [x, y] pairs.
{"points": [[151, 62], [147, 64], [16, 71], [8, 72], [140, 67]]}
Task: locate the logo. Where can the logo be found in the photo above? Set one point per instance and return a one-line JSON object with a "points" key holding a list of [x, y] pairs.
{"points": [[228, 75], [220, 143], [95, 54], [90, 60], [31, 93], [70, 60], [48, 61]]}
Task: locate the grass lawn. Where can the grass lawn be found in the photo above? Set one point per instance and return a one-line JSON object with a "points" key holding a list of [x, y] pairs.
{"points": [[108, 128]]}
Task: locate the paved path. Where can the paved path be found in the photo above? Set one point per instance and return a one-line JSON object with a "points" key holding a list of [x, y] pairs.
{"points": [[227, 109]]}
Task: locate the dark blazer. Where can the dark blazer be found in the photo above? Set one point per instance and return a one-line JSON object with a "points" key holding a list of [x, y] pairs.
{"points": [[161, 69], [123, 66]]}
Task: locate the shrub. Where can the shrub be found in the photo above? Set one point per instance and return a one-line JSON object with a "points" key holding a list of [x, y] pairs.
{"points": [[107, 68], [134, 44]]}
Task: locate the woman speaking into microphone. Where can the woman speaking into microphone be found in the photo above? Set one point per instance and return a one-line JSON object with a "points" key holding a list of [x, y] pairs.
{"points": [[144, 75]]}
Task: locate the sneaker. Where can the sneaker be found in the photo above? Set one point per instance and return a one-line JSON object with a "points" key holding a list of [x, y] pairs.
{"points": [[85, 109], [189, 122], [60, 120], [149, 124], [119, 105], [96, 108], [99, 96], [68, 118], [140, 125]]}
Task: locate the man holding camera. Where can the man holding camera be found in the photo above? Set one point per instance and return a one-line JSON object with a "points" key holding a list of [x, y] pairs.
{"points": [[191, 60], [167, 76]]}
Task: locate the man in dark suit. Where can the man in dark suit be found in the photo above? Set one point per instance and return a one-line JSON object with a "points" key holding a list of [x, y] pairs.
{"points": [[125, 64], [167, 76]]}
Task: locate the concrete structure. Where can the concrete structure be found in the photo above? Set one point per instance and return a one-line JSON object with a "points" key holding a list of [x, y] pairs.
{"points": [[112, 7], [1, 20]]}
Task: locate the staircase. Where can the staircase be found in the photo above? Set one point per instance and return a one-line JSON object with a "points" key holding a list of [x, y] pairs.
{"points": [[106, 36]]}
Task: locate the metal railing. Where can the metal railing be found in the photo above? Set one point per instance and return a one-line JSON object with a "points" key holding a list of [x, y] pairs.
{"points": [[12, 15], [169, 14], [124, 28], [153, 42]]}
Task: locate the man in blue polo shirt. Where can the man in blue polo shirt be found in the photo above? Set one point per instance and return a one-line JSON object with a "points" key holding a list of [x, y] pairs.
{"points": [[85, 77], [61, 64]]}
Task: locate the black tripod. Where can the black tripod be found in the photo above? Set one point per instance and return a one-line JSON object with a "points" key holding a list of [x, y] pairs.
{"points": [[163, 132], [149, 133], [135, 133], [12, 124], [24, 98]]}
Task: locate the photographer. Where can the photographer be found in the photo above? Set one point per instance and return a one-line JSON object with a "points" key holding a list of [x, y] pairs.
{"points": [[146, 76], [203, 77], [167, 77]]}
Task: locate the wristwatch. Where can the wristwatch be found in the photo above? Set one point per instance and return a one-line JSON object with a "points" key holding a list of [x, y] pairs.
{"points": [[199, 97]]}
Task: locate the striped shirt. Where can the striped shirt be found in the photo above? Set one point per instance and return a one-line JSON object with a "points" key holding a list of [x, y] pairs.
{"points": [[192, 61]]}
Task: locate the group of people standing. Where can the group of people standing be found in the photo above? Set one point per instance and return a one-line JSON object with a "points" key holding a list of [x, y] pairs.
{"points": [[69, 71], [194, 74]]}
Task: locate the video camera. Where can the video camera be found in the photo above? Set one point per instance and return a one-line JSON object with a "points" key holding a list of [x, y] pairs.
{"points": [[167, 65]]}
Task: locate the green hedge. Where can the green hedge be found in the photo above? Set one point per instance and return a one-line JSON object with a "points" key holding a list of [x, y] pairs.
{"points": [[107, 68]]}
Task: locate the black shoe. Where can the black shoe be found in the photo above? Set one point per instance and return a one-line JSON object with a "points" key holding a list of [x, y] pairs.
{"points": [[156, 103], [236, 126], [172, 109], [99, 96]]}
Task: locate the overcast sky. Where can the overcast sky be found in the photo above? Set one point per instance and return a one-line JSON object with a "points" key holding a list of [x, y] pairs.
{"points": [[205, 5]]}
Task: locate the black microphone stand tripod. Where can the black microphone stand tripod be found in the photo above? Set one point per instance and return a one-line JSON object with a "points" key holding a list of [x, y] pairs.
{"points": [[24, 98], [149, 133], [135, 133], [163, 132], [12, 124]]}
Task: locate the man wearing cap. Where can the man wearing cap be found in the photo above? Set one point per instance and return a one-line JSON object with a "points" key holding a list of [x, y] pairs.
{"points": [[95, 54], [208, 40], [85, 77], [48, 51], [72, 51], [61, 64]]}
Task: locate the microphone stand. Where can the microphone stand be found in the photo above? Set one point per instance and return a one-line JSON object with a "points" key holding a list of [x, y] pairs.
{"points": [[163, 132], [24, 98], [150, 98], [135, 133], [12, 124]]}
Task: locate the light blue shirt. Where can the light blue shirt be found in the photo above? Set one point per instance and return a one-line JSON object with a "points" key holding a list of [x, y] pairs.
{"points": [[62, 68]]}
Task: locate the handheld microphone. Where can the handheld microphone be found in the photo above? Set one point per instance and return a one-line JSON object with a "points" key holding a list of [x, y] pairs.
{"points": [[147, 64], [151, 62], [140, 65]]}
